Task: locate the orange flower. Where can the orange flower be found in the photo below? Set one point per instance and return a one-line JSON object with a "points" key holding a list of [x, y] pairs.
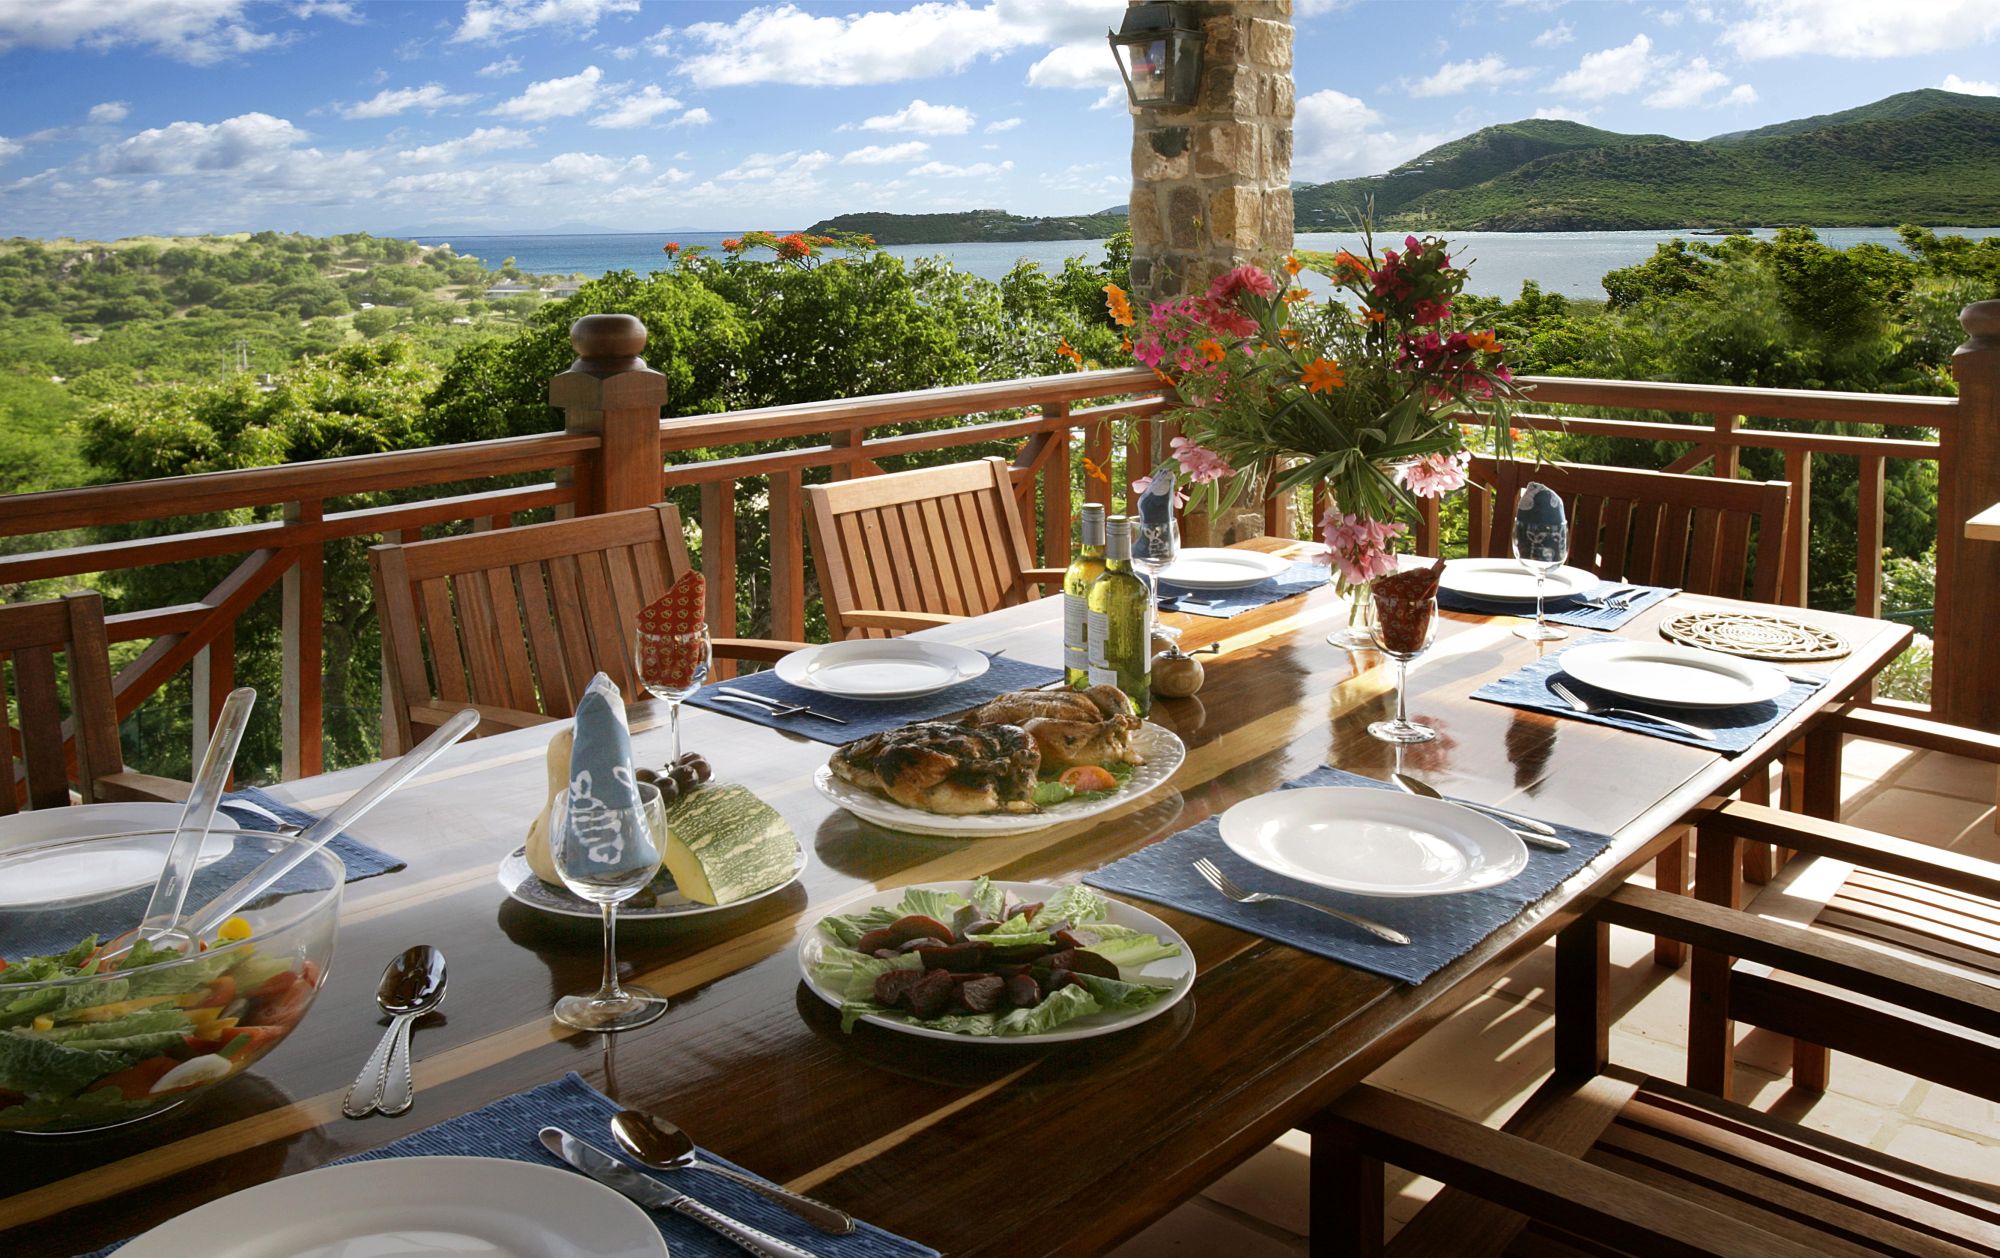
{"points": [[1289, 336], [1347, 262], [1212, 350], [732, 245], [1066, 350], [1484, 342], [1323, 375], [1121, 307], [1373, 315], [1291, 265], [1125, 344], [1295, 295]]}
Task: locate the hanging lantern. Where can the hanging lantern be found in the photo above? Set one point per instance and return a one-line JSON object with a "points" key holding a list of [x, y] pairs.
{"points": [[1158, 50]]}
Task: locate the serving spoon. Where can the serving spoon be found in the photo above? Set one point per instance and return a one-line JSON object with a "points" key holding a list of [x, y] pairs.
{"points": [[412, 985], [664, 1147]]}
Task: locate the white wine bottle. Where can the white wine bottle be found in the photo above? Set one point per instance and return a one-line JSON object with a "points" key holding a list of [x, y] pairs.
{"points": [[1120, 624], [1084, 569]]}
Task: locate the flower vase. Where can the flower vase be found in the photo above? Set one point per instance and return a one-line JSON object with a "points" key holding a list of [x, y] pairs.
{"points": [[1357, 633]]}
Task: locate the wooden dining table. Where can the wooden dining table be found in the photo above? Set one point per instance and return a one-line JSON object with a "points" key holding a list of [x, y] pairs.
{"points": [[971, 1147]]}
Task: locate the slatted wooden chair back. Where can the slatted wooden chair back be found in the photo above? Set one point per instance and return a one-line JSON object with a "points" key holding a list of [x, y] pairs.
{"points": [[917, 548], [1651, 528], [32, 635], [516, 621]]}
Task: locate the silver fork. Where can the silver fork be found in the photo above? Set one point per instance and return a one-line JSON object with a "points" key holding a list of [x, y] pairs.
{"points": [[1221, 882], [1581, 704], [1608, 601]]}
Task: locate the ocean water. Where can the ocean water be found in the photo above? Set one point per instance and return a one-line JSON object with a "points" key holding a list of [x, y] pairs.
{"points": [[1571, 263]]}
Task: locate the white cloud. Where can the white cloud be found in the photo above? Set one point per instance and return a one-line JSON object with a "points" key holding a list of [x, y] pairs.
{"points": [[1971, 87], [493, 20], [1489, 71], [9, 149], [878, 154], [116, 111], [389, 102], [785, 43], [637, 109], [696, 117], [500, 69], [1008, 124], [764, 167], [1610, 72], [1564, 115], [1685, 87], [1337, 137], [553, 98], [944, 170], [482, 140], [1860, 28], [1087, 64], [1744, 94], [1556, 36], [247, 140], [923, 118], [199, 32]]}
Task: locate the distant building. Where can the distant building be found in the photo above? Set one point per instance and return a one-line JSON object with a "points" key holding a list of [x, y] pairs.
{"points": [[564, 288], [511, 288]]}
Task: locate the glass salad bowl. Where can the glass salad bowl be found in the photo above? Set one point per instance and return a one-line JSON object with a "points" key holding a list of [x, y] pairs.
{"points": [[87, 1043]]}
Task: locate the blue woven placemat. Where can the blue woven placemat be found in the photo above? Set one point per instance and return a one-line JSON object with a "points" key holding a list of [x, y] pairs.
{"points": [[507, 1129], [1568, 612], [1441, 928], [1735, 729], [864, 716], [1302, 577], [54, 932]]}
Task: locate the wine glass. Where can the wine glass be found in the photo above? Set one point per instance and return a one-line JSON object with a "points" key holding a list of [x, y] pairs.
{"points": [[1541, 541], [606, 854], [1155, 545], [673, 666], [1404, 629]]}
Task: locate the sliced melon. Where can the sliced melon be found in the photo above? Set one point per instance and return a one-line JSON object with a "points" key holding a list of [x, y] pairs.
{"points": [[724, 844]]}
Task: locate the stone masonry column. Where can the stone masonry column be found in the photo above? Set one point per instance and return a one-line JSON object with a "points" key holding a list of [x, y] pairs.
{"points": [[1211, 184]]}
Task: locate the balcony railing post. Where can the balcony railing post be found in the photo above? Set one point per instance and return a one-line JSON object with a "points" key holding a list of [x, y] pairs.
{"points": [[1966, 676], [611, 392]]}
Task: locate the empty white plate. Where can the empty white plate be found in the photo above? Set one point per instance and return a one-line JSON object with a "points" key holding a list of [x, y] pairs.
{"points": [[1673, 676], [413, 1208], [1222, 568], [1373, 842], [1509, 581], [886, 668], [118, 864]]}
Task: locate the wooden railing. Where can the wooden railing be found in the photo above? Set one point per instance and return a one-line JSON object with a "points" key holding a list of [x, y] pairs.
{"points": [[617, 452]]}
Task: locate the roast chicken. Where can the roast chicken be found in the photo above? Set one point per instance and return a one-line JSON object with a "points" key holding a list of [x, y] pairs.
{"points": [[1069, 727], [944, 768]]}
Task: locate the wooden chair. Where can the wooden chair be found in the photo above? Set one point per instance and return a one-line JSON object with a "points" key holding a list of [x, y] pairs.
{"points": [[1602, 1160], [516, 621], [917, 549], [1653, 528], [31, 635]]}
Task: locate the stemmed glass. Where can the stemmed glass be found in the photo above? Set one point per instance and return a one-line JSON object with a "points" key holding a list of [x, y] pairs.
{"points": [[673, 666], [1541, 541], [1155, 546], [606, 854], [1404, 629]]}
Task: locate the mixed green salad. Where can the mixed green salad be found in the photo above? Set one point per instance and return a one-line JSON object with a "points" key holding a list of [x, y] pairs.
{"points": [[985, 963], [96, 1052]]}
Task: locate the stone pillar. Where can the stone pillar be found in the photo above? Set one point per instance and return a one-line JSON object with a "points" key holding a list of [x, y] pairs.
{"points": [[1211, 184]]}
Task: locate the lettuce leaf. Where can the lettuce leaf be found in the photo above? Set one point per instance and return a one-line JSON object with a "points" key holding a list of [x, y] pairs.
{"points": [[1124, 947], [1115, 996], [924, 902], [988, 897], [846, 929], [851, 975], [166, 1025], [173, 980], [1075, 904], [1061, 1006], [29, 1005], [41, 1067]]}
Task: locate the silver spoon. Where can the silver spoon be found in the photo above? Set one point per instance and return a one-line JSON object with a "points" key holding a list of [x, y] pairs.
{"points": [[1534, 833], [665, 1147], [412, 985]]}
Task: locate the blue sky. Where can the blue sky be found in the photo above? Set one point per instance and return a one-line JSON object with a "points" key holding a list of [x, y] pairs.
{"points": [[135, 116]]}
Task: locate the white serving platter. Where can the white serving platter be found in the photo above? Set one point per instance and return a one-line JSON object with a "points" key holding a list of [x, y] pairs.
{"points": [[1373, 842]]}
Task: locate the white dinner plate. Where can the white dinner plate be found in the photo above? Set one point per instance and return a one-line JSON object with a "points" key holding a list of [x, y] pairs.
{"points": [[413, 1208], [521, 884], [108, 868], [1177, 970], [1222, 568], [1163, 751], [1673, 676], [1373, 842], [1509, 581], [882, 668]]}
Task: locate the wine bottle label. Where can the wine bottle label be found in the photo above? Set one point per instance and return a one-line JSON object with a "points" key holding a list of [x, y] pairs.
{"points": [[1103, 676], [1076, 633], [1097, 633]]}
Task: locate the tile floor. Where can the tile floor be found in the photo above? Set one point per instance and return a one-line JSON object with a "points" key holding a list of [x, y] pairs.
{"points": [[1489, 1057]]}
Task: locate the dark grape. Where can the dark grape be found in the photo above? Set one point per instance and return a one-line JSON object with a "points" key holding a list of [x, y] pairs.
{"points": [[685, 778]]}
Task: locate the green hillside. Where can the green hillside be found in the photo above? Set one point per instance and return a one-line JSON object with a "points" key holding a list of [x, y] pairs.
{"points": [[1895, 108], [970, 225]]}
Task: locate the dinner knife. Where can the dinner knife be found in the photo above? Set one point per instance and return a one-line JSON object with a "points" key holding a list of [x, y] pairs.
{"points": [[774, 705], [651, 1194], [1538, 833]]}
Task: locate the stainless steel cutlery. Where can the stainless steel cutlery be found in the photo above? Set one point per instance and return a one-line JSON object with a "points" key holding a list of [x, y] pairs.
{"points": [[726, 694], [1581, 704], [1534, 833], [412, 985], [651, 1194], [1214, 876], [659, 1144]]}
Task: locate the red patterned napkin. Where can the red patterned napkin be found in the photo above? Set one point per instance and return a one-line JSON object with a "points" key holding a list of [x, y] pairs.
{"points": [[664, 660]]}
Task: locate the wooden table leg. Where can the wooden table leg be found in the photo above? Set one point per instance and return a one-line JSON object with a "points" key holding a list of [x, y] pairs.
{"points": [[1718, 879], [1583, 998], [1344, 1194], [1670, 873]]}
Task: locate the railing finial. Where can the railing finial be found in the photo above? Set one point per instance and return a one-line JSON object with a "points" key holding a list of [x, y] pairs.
{"points": [[1981, 320], [607, 344]]}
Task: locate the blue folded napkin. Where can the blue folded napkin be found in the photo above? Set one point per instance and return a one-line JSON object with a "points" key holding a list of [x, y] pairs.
{"points": [[603, 810], [1736, 729], [867, 716], [507, 1129], [31, 934], [1303, 577], [1441, 928], [1568, 611]]}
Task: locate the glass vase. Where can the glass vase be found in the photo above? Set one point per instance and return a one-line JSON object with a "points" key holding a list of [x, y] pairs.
{"points": [[1357, 633]]}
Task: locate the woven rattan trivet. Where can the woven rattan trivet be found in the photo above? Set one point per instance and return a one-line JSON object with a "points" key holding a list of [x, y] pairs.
{"points": [[1755, 635]]}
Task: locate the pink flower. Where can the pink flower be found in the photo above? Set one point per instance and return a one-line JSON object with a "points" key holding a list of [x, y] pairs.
{"points": [[1435, 475], [1360, 546], [1228, 321], [1230, 284], [1201, 465], [1140, 486], [1149, 351]]}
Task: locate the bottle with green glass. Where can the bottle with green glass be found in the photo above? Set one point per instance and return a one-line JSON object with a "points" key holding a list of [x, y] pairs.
{"points": [[1083, 570], [1119, 626]]}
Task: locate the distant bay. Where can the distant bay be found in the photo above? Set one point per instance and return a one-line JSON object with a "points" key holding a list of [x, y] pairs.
{"points": [[1570, 263]]}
